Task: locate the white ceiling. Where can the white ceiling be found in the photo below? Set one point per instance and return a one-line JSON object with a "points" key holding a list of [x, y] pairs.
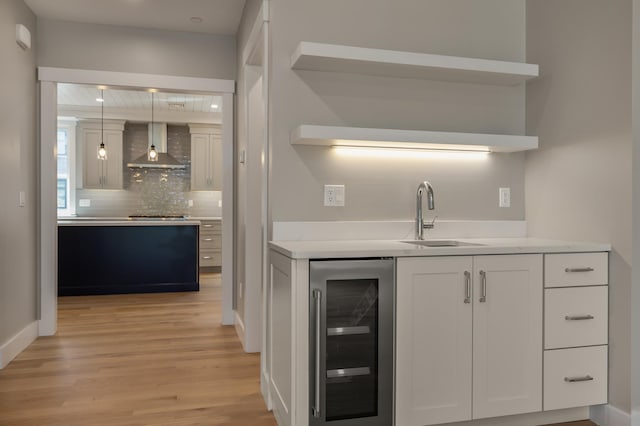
{"points": [[218, 16], [79, 101]]}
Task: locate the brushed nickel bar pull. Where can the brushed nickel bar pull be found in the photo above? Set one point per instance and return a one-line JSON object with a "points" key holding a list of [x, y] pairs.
{"points": [[207, 257], [207, 226], [586, 378], [207, 239], [347, 331], [578, 317], [586, 269], [348, 372], [315, 410], [483, 278], [467, 281]]}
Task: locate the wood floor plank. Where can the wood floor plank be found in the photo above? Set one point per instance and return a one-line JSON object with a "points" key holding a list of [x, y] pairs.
{"points": [[138, 360]]}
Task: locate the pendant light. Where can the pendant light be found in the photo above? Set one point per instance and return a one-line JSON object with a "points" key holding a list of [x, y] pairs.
{"points": [[152, 155], [102, 149]]}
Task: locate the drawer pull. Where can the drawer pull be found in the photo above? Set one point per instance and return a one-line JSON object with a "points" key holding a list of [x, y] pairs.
{"points": [[207, 239], [578, 317], [586, 378], [207, 226], [207, 257], [588, 269]]}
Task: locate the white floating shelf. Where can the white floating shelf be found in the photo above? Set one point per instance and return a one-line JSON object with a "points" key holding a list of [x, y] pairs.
{"points": [[393, 63], [415, 139]]}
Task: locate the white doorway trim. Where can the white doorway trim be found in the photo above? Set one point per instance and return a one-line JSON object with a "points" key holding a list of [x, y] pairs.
{"points": [[49, 78]]}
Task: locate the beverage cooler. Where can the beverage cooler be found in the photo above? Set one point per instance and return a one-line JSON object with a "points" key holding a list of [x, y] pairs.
{"points": [[351, 342]]}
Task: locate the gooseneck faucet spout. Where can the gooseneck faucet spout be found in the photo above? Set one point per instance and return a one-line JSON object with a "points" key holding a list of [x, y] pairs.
{"points": [[420, 225]]}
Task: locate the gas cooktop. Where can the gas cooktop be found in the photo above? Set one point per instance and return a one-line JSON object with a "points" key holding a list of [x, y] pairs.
{"points": [[156, 217]]}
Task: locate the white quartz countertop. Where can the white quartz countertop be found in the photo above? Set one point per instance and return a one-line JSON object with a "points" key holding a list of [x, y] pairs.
{"points": [[128, 222], [392, 248]]}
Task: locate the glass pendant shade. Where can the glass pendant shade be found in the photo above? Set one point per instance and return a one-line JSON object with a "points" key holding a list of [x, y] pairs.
{"points": [[102, 151]]}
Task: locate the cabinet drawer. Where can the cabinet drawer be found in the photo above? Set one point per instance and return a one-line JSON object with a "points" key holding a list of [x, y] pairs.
{"points": [[575, 377], [575, 316], [576, 269], [210, 242], [210, 225], [210, 258]]}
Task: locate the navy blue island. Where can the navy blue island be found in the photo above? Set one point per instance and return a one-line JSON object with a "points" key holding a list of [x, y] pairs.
{"points": [[121, 256]]}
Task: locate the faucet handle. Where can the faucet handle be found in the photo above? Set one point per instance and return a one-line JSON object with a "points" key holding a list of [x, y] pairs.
{"points": [[430, 225]]}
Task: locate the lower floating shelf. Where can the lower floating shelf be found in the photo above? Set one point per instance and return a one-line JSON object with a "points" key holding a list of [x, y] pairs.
{"points": [[307, 134]]}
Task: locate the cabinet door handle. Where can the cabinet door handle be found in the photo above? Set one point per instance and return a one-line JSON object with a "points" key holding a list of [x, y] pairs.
{"points": [[483, 288], [586, 378], [315, 410], [578, 317], [207, 226], [208, 239], [467, 283], [585, 269], [207, 257]]}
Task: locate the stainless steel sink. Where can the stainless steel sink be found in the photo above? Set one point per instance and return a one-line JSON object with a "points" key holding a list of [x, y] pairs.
{"points": [[441, 243]]}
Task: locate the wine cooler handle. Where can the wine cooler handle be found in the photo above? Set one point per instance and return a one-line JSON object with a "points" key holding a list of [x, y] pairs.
{"points": [[315, 410]]}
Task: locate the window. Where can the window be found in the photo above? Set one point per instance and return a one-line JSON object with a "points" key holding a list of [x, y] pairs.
{"points": [[65, 184]]}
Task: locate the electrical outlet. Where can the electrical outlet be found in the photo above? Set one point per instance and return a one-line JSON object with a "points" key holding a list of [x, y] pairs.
{"points": [[334, 195], [83, 202], [505, 197], [190, 203]]}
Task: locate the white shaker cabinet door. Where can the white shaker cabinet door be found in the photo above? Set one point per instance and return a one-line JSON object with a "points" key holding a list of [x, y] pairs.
{"points": [[433, 340], [507, 335]]}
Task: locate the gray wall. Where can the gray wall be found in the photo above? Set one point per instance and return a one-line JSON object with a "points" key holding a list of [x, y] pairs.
{"points": [[381, 190], [111, 48], [18, 123], [248, 18], [578, 183]]}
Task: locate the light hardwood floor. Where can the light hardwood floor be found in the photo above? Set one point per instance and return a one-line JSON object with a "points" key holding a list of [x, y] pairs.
{"points": [[138, 360], [152, 359]]}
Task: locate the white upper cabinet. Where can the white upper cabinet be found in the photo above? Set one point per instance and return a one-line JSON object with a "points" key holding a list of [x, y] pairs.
{"points": [[394, 63], [96, 173], [206, 158]]}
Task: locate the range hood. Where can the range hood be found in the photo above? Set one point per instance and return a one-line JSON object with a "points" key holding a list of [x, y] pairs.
{"points": [[157, 136]]}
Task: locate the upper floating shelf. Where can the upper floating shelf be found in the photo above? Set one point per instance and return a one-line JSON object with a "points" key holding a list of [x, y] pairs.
{"points": [[415, 139], [393, 63]]}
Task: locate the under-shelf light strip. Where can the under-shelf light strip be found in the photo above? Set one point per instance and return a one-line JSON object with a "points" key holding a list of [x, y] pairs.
{"points": [[383, 152]]}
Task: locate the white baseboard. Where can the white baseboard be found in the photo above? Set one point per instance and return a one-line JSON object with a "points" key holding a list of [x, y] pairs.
{"points": [[240, 331], [608, 415], [18, 343]]}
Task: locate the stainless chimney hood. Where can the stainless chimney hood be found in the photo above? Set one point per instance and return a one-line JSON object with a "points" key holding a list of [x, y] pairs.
{"points": [[157, 135]]}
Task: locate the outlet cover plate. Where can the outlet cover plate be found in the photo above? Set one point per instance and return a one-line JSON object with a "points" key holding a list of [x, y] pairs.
{"points": [[334, 195]]}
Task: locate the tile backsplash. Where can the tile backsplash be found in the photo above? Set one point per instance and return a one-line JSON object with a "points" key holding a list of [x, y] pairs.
{"points": [[152, 191]]}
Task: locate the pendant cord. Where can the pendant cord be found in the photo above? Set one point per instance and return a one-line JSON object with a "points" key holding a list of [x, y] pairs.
{"points": [[102, 115]]}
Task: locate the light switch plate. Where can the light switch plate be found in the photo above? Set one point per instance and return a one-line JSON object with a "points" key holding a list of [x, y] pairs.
{"points": [[505, 197], [84, 202], [190, 203], [334, 195]]}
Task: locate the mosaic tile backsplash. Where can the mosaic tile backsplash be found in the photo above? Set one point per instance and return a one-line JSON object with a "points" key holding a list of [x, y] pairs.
{"points": [[153, 191]]}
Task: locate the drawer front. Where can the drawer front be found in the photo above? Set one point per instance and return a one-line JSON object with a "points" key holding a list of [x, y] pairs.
{"points": [[575, 377], [576, 269], [210, 225], [575, 316], [210, 242], [210, 258]]}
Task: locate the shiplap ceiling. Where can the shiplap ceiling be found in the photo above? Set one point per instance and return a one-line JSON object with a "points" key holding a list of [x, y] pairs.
{"points": [[76, 100], [218, 16]]}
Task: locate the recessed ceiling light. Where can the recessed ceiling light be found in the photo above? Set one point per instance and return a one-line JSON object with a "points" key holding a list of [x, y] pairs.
{"points": [[196, 19], [214, 106]]}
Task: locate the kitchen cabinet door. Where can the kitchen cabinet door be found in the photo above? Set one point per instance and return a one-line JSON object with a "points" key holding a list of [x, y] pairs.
{"points": [[206, 161], [507, 335], [101, 174], [433, 340]]}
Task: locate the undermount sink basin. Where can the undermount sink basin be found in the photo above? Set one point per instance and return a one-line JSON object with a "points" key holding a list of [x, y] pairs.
{"points": [[440, 243]]}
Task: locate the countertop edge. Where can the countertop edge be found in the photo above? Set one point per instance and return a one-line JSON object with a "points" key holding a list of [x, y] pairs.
{"points": [[391, 248]]}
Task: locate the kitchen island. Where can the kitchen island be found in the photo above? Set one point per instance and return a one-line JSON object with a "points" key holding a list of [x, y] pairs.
{"points": [[124, 256]]}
